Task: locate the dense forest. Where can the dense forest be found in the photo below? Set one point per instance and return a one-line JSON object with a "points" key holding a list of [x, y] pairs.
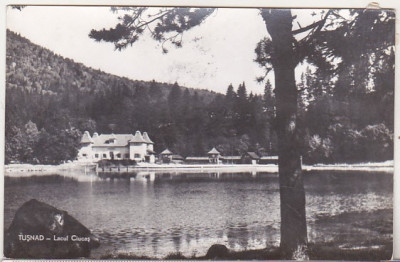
{"points": [[51, 101]]}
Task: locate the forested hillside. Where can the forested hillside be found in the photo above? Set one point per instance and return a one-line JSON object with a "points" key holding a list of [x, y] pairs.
{"points": [[51, 101]]}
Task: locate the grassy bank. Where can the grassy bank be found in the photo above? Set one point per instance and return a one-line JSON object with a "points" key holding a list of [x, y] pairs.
{"points": [[315, 252], [369, 238]]}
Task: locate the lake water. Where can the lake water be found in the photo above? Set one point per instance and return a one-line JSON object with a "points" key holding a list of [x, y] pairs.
{"points": [[156, 214]]}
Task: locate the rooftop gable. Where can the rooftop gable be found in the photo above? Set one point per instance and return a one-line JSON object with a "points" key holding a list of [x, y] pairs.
{"points": [[253, 155], [138, 138], [166, 152], [213, 151], [147, 138], [86, 139]]}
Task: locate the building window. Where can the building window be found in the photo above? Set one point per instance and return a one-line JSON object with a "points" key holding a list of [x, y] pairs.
{"points": [[104, 155], [137, 155], [110, 141], [96, 155], [84, 154], [118, 155], [126, 155]]}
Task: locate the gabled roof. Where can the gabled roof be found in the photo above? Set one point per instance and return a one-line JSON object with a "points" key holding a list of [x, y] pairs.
{"points": [[166, 152], [177, 157], [119, 140], [253, 155], [86, 138], [138, 138], [213, 151], [147, 138]]}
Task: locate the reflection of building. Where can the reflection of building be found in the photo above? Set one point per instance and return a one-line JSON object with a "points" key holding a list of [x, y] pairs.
{"points": [[136, 147]]}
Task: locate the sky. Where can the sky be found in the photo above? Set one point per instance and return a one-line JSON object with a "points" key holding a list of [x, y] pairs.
{"points": [[215, 54]]}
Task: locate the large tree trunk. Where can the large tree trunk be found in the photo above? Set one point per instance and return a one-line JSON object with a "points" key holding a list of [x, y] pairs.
{"points": [[293, 217]]}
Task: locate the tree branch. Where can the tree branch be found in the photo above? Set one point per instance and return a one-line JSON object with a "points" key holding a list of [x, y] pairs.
{"points": [[317, 26], [154, 19], [260, 79], [313, 25], [306, 42]]}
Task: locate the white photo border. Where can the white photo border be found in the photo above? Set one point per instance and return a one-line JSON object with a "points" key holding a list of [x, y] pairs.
{"points": [[326, 4]]}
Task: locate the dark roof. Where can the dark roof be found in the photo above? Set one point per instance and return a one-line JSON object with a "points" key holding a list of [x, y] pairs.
{"points": [[147, 138], [253, 155], [86, 138], [213, 151], [119, 140], [166, 152], [177, 157], [138, 138]]}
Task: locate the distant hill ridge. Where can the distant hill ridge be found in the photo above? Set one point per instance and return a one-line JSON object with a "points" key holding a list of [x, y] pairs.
{"points": [[39, 69], [52, 100]]}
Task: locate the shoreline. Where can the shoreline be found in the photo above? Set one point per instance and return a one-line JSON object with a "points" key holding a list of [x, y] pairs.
{"points": [[13, 170], [361, 248]]}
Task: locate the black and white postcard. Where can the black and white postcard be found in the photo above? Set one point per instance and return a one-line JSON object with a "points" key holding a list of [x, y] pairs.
{"points": [[186, 132]]}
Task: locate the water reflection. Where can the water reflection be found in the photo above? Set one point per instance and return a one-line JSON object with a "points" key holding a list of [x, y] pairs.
{"points": [[156, 213], [146, 176]]}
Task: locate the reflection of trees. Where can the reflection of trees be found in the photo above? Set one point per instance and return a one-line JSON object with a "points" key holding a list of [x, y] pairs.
{"points": [[238, 235], [155, 239], [188, 237], [176, 237], [243, 236]]}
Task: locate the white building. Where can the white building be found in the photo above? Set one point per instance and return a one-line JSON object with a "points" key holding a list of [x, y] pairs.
{"points": [[136, 147]]}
